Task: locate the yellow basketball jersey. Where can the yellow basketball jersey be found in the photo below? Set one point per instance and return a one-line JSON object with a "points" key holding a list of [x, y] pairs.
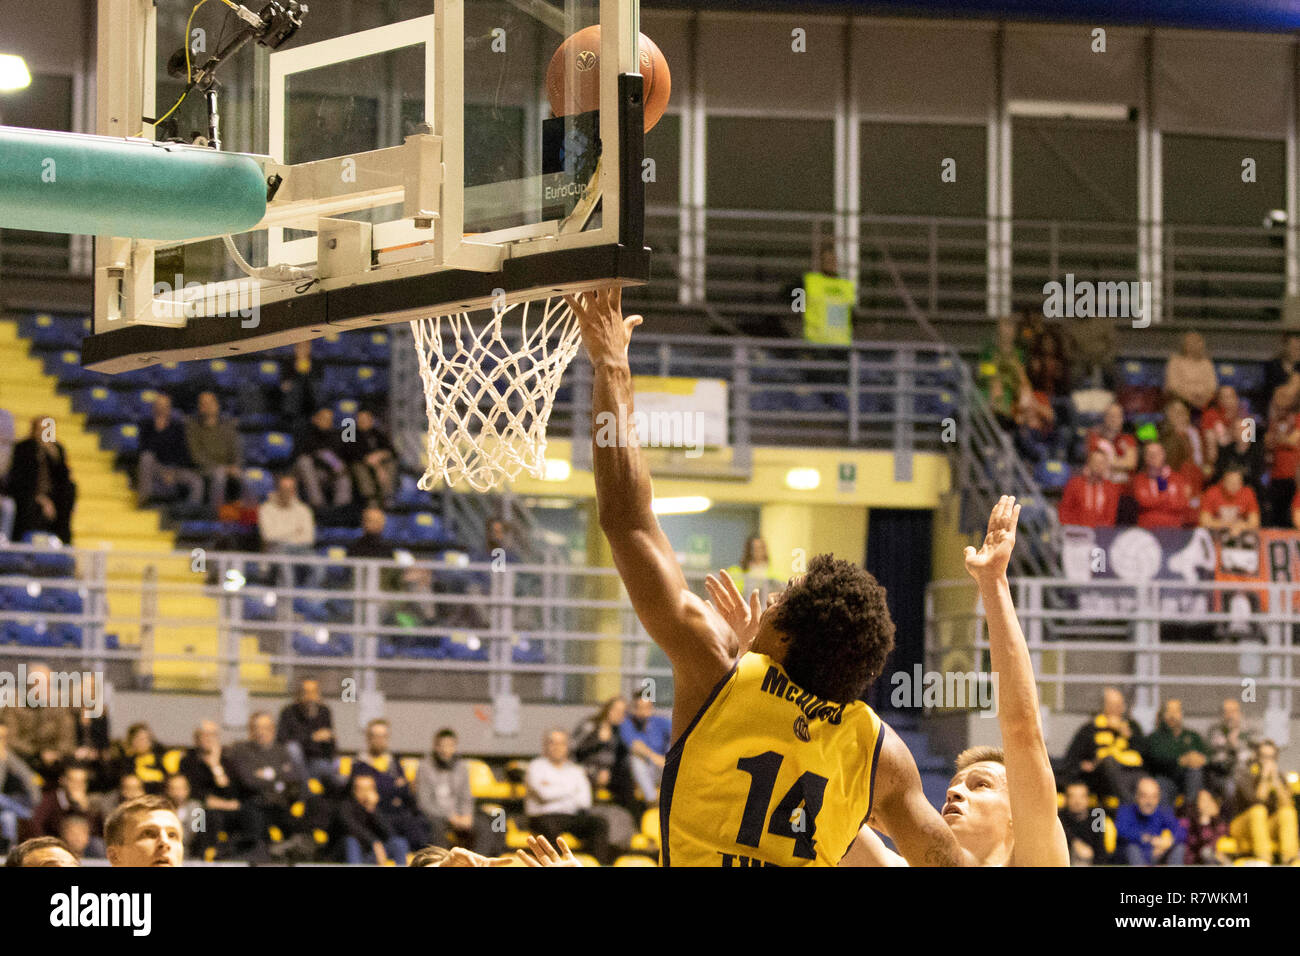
{"points": [[768, 774]]}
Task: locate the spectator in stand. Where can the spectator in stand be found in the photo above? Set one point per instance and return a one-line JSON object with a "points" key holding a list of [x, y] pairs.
{"points": [[1283, 443], [1085, 828], [372, 460], [211, 773], [1232, 745], [43, 737], [558, 798], [321, 461], [1104, 752], [141, 754], [77, 831], [165, 457], [367, 835], [646, 736], [397, 802], [1163, 498], [72, 795], [1119, 446], [1183, 446], [297, 392], [1230, 506], [43, 851], [372, 543], [1048, 369], [599, 748], [188, 810], [7, 437], [1190, 375], [268, 780], [1090, 499], [1001, 372], [1091, 348], [1175, 754], [1205, 827], [287, 526], [306, 728], [94, 736], [1221, 424], [216, 449], [1037, 437], [1030, 330], [1149, 833], [1246, 455], [1286, 363], [127, 788], [19, 793], [443, 795], [1264, 821], [41, 485], [754, 572]]}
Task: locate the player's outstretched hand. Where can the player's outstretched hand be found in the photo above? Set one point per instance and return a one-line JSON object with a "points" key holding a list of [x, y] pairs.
{"points": [[543, 854], [459, 856], [605, 332], [989, 563], [730, 603]]}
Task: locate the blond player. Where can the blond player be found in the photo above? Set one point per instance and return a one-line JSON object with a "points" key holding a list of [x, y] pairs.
{"points": [[1001, 804]]}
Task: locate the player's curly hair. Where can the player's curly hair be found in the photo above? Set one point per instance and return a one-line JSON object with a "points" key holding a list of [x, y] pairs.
{"points": [[839, 628]]}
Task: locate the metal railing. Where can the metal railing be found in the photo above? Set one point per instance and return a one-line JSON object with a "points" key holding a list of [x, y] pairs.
{"points": [[446, 629], [743, 263], [1199, 641]]}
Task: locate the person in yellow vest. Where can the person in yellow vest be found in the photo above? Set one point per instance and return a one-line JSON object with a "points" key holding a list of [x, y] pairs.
{"points": [[774, 760], [1104, 751], [829, 302]]}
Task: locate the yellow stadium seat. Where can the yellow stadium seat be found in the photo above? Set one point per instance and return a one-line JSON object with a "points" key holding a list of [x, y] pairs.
{"points": [[573, 842], [409, 766], [1111, 836], [483, 783], [1227, 846], [648, 838], [276, 834], [320, 836], [516, 839], [586, 859], [315, 787], [298, 809], [172, 760], [634, 859], [345, 766]]}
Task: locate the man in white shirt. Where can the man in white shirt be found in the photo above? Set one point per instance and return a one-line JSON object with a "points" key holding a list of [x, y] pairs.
{"points": [[287, 525], [558, 797]]}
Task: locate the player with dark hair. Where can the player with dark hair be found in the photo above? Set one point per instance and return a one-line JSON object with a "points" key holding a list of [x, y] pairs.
{"points": [[1001, 804], [42, 851], [144, 832], [775, 761]]}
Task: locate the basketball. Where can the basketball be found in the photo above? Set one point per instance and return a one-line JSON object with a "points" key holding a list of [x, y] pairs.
{"points": [[573, 77]]}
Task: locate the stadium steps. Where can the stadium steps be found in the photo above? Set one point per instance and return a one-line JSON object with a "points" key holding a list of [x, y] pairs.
{"points": [[106, 516]]}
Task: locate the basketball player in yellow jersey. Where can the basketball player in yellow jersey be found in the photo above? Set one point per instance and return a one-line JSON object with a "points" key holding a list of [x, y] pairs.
{"points": [[1001, 804], [774, 760]]}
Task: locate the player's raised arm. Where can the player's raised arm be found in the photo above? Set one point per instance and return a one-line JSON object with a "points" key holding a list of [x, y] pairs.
{"points": [[1039, 838], [905, 814], [693, 636]]}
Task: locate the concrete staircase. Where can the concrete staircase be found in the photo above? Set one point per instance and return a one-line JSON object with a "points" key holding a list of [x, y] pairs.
{"points": [[106, 517]]}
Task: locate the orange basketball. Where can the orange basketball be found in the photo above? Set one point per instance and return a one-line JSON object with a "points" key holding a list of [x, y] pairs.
{"points": [[573, 77]]}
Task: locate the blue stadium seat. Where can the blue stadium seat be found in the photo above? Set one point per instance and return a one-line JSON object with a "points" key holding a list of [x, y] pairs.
{"points": [[224, 374], [528, 650], [270, 449], [409, 495], [336, 536], [1052, 475], [335, 347], [311, 610], [14, 597], [266, 373], [346, 408], [322, 644], [55, 331], [258, 483], [170, 374], [941, 405], [100, 404], [421, 528], [466, 647], [1142, 373], [377, 347], [60, 601], [876, 403], [66, 367], [259, 607], [1243, 376], [123, 438]]}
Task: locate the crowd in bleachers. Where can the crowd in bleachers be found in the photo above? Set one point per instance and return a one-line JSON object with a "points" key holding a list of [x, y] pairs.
{"points": [[286, 792], [1175, 796], [1184, 443]]}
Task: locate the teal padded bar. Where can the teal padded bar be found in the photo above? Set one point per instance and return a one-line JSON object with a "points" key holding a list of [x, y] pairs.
{"points": [[106, 186]]}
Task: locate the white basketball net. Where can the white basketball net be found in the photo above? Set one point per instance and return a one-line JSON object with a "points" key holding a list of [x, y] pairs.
{"points": [[488, 401]]}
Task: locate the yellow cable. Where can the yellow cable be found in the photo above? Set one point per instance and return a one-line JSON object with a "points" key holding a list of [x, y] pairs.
{"points": [[189, 78]]}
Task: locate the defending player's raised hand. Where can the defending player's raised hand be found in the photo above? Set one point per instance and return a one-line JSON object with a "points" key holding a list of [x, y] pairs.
{"points": [[605, 332], [730, 603], [543, 854], [458, 856], [991, 560]]}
